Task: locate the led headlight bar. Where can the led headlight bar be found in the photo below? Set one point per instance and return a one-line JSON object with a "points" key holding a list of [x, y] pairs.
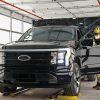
{"points": [[61, 57]]}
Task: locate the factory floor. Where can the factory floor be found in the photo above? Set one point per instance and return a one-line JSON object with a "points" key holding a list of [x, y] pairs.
{"points": [[86, 93]]}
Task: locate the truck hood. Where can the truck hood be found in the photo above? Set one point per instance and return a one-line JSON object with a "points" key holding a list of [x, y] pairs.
{"points": [[38, 45]]}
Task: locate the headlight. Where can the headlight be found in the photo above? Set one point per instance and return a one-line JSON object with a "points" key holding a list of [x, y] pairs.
{"points": [[58, 57], [1, 57], [61, 57]]}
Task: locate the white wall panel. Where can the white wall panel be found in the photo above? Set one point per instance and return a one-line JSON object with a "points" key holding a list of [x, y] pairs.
{"points": [[4, 22], [4, 37]]}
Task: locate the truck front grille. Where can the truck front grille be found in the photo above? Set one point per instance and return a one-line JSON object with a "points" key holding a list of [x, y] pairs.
{"points": [[40, 61]]}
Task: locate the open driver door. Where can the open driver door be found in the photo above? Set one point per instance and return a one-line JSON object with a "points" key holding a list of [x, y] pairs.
{"points": [[90, 57]]}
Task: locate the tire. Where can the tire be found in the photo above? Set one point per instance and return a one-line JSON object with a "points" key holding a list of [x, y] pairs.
{"points": [[73, 88], [1, 89], [7, 89], [91, 77]]}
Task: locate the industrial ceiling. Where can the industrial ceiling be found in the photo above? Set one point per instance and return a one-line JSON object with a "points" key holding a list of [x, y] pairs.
{"points": [[50, 9]]}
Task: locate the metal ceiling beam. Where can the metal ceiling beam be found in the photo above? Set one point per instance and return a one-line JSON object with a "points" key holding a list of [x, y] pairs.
{"points": [[83, 12], [78, 7], [43, 2], [58, 8], [21, 9]]}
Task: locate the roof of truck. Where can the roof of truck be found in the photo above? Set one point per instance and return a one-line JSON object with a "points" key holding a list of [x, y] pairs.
{"points": [[71, 26]]}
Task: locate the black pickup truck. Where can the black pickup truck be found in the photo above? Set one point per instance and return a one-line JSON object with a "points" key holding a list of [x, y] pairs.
{"points": [[49, 56]]}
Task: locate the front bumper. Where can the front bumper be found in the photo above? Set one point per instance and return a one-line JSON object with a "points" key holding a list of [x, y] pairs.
{"points": [[42, 80]]}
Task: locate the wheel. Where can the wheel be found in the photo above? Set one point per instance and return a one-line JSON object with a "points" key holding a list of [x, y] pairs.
{"points": [[91, 77], [1, 89], [73, 88], [6, 90]]}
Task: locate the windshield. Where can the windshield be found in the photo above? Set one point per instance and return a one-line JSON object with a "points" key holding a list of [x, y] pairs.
{"points": [[46, 34]]}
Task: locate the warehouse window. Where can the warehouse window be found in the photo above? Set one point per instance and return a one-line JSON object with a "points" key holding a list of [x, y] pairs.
{"points": [[15, 36], [16, 25], [4, 37], [26, 26], [4, 22]]}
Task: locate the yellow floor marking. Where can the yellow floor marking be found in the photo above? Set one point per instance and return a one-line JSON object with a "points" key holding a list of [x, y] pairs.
{"points": [[49, 99], [79, 94], [11, 94], [68, 97]]}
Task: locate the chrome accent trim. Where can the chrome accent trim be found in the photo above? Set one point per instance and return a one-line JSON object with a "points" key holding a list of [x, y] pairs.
{"points": [[60, 67], [62, 73], [34, 50], [24, 58], [68, 73], [62, 70]]}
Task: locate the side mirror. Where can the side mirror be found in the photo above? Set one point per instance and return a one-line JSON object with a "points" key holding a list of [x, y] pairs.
{"points": [[87, 42]]}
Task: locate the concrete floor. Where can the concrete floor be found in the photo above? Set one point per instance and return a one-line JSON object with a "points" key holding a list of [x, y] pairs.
{"points": [[86, 93]]}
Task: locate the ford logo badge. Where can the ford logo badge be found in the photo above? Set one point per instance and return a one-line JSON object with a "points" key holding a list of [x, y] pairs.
{"points": [[24, 58]]}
